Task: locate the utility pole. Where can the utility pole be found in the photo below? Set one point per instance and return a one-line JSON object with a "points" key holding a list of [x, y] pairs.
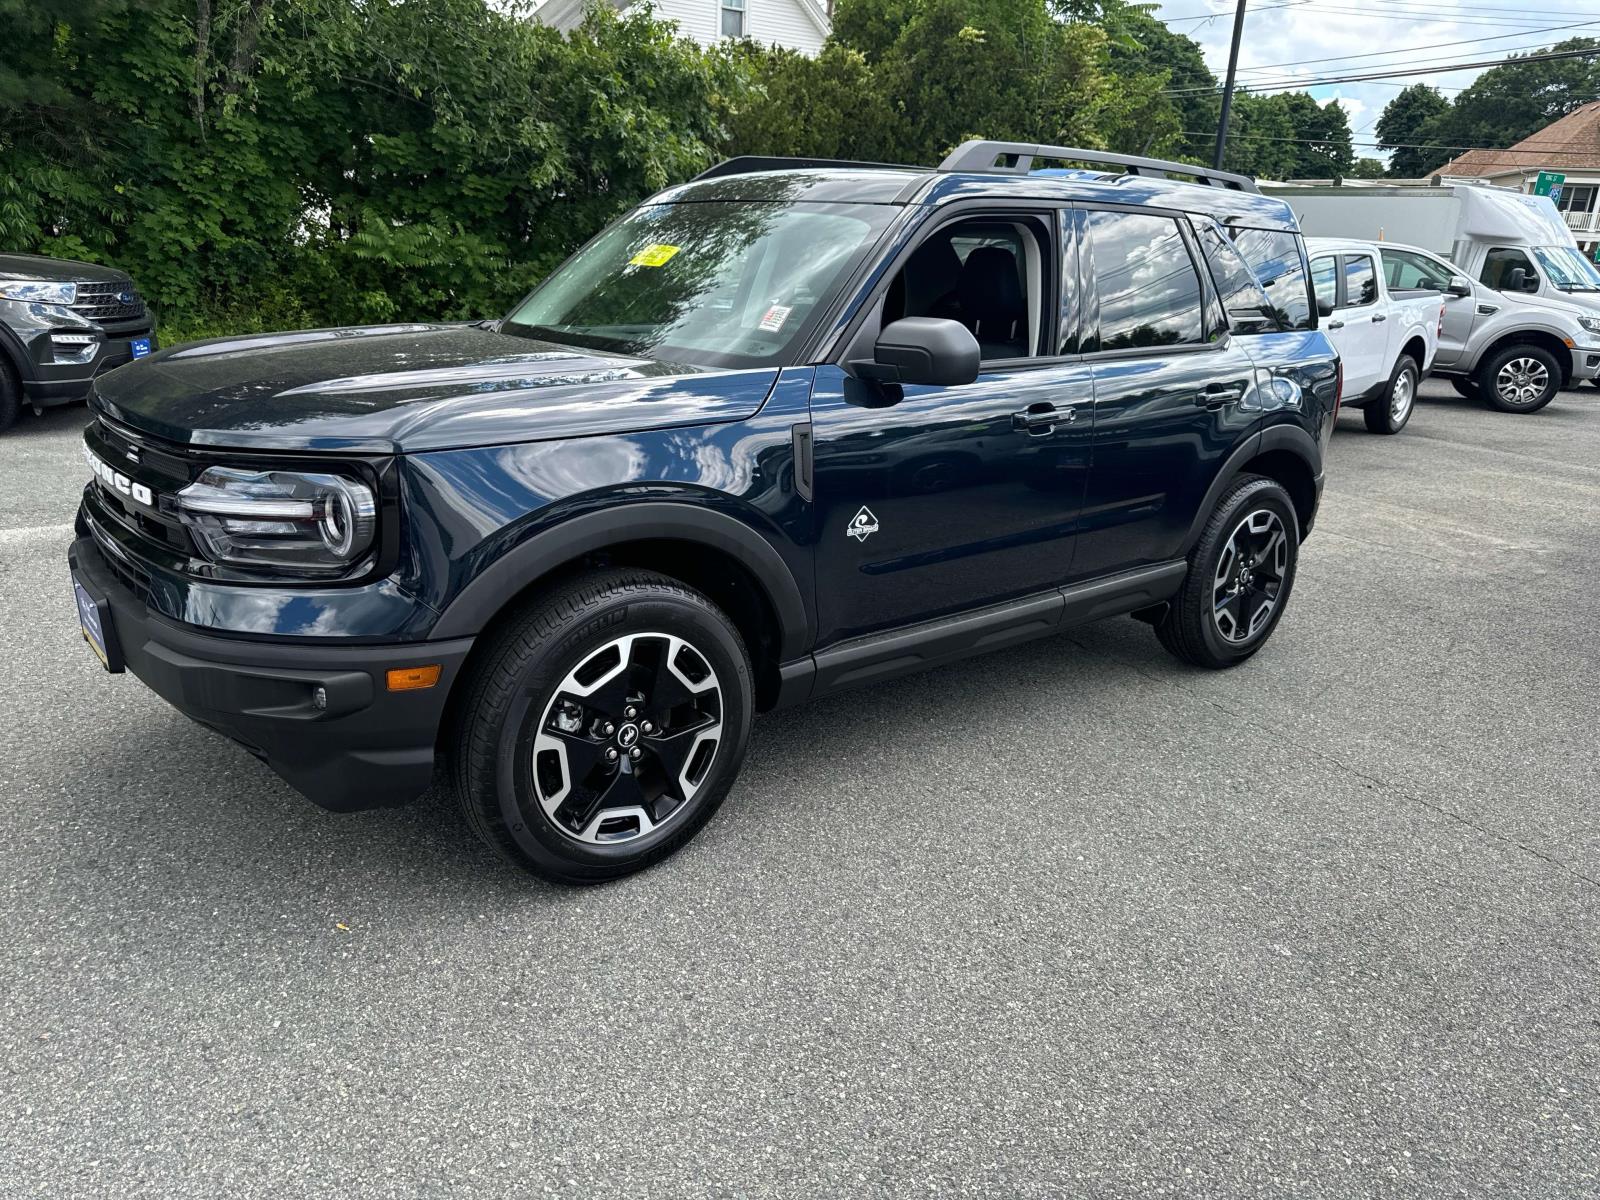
{"points": [[1227, 89]]}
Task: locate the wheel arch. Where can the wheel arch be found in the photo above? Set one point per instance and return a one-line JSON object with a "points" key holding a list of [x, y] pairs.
{"points": [[1543, 338], [1416, 349], [703, 548], [1285, 453]]}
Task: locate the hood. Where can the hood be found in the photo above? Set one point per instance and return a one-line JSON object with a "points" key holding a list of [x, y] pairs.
{"points": [[65, 270], [399, 388], [1568, 305]]}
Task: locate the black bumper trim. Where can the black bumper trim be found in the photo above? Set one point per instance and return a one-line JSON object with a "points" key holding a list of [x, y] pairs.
{"points": [[369, 748]]}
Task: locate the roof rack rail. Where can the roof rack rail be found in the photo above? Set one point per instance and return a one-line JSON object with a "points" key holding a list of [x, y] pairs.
{"points": [[979, 155], [749, 164]]}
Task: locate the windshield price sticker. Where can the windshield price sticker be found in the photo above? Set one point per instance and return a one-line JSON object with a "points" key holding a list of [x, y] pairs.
{"points": [[775, 317], [656, 254]]}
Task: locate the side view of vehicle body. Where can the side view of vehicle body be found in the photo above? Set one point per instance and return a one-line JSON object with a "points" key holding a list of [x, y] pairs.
{"points": [[1513, 351], [61, 324], [1386, 336], [1517, 253], [790, 428]]}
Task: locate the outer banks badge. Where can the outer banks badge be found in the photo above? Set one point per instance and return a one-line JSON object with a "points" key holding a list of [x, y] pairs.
{"points": [[863, 525]]}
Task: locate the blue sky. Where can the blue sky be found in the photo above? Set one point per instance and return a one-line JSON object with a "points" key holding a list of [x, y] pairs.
{"points": [[1386, 36]]}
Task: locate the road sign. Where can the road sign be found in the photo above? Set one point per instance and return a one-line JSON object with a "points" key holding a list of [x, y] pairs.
{"points": [[1549, 184]]}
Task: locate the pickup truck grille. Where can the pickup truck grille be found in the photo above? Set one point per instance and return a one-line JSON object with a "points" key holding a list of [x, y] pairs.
{"points": [[105, 302]]}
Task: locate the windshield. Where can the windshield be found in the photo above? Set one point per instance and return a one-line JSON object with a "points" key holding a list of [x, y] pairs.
{"points": [[1568, 269], [714, 284]]}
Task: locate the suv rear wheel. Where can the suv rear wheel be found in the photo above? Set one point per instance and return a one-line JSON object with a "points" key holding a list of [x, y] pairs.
{"points": [[1520, 379], [603, 727], [1240, 574], [1390, 413]]}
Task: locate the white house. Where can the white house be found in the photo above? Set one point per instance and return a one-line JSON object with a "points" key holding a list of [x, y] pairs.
{"points": [[1571, 147], [798, 24]]}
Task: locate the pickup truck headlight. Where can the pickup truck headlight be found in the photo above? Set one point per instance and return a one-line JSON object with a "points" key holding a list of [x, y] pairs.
{"points": [[1592, 324], [285, 521], [37, 291]]}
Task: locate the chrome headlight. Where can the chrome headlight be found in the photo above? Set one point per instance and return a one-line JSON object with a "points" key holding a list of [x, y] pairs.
{"points": [[286, 521], [37, 291], [1592, 324]]}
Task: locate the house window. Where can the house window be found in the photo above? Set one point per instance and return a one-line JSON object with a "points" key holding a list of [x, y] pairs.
{"points": [[732, 18], [1577, 197]]}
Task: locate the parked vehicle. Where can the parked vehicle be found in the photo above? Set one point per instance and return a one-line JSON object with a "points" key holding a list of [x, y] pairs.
{"points": [[1386, 336], [1509, 241], [1512, 351], [787, 429], [61, 324]]}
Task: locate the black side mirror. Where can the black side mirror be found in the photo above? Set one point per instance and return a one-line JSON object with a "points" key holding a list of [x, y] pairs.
{"points": [[1324, 308], [929, 350], [1459, 287], [1520, 279]]}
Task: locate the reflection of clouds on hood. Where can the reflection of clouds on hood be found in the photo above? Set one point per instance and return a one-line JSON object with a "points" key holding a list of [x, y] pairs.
{"points": [[565, 468]]}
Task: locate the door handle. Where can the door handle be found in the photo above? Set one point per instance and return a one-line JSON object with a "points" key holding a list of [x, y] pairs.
{"points": [[1042, 418], [1215, 395], [1335, 324], [1376, 317]]}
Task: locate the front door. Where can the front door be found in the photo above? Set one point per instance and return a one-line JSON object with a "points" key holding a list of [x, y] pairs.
{"points": [[932, 500], [1403, 269], [1358, 327], [1171, 390]]}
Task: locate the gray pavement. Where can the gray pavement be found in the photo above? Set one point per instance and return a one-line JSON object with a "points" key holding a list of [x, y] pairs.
{"points": [[1067, 921]]}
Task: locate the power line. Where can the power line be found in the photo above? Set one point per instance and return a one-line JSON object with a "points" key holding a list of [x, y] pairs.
{"points": [[1409, 72], [1429, 46], [1547, 149]]}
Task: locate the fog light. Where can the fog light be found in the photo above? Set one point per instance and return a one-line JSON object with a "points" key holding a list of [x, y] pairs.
{"points": [[411, 679]]}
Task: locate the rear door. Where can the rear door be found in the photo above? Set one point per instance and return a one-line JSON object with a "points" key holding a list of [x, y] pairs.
{"points": [[1408, 269], [1169, 384], [1359, 325]]}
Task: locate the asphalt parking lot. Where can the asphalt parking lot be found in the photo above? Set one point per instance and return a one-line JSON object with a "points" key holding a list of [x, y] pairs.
{"points": [[1071, 920]]}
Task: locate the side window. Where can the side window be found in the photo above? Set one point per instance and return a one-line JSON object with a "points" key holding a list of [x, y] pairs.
{"points": [[1249, 310], [1405, 270], [1500, 262], [1275, 258], [1149, 290], [1360, 281], [987, 273], [1325, 280]]}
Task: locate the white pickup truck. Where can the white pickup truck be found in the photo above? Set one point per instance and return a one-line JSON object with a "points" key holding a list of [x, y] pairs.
{"points": [[1386, 339]]}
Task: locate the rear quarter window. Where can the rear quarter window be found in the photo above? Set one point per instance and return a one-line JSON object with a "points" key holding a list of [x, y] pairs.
{"points": [[1278, 262]]}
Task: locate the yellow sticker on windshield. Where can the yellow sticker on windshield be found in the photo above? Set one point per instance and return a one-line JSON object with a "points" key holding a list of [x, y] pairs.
{"points": [[654, 255]]}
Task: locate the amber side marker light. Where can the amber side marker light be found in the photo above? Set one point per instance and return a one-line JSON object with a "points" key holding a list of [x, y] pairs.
{"points": [[411, 679]]}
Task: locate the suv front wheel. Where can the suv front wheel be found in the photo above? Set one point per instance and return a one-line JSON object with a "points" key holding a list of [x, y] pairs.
{"points": [[603, 726], [1240, 574]]}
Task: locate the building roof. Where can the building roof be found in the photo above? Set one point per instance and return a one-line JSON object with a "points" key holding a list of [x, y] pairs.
{"points": [[1573, 142]]}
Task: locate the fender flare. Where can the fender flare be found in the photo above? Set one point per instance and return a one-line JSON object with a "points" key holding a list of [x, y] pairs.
{"points": [[1275, 437], [15, 354], [495, 585]]}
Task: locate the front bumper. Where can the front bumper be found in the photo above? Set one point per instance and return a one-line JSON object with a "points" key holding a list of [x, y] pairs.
{"points": [[369, 748], [1585, 363], [53, 383]]}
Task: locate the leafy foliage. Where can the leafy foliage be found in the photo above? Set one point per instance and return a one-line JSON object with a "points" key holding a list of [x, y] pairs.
{"points": [[258, 164]]}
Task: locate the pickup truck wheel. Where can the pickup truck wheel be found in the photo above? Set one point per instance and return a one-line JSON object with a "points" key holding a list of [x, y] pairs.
{"points": [[1240, 574], [1520, 379], [603, 726], [10, 397], [1390, 413]]}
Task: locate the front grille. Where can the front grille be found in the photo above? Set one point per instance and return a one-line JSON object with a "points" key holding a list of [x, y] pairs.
{"points": [[148, 462], [130, 574], [105, 302]]}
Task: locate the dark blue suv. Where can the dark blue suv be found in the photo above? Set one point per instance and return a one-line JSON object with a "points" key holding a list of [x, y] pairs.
{"points": [[790, 428]]}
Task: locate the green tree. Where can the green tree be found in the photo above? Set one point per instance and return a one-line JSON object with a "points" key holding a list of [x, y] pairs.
{"points": [[1368, 168], [1507, 103], [1404, 124], [1322, 145], [829, 106], [1159, 61]]}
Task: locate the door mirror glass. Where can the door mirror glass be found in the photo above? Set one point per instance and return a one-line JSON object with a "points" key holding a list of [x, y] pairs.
{"points": [[1459, 286], [927, 350]]}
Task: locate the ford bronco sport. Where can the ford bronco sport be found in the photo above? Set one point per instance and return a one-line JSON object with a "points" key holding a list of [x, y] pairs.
{"points": [[789, 428]]}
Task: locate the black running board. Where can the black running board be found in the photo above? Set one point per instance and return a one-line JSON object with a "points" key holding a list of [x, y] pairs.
{"points": [[880, 656]]}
